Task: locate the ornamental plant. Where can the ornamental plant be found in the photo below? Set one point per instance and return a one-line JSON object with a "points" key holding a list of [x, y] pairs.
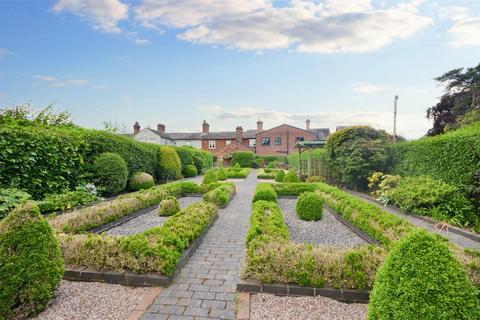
{"points": [[140, 180], [314, 179], [291, 176], [31, 264], [280, 176], [11, 198], [168, 207], [309, 206], [245, 159], [264, 191], [210, 177], [221, 174], [421, 279], [110, 173], [169, 166], [190, 171]]}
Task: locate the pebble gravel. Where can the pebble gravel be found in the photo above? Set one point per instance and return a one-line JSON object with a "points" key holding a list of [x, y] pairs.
{"points": [[327, 231], [92, 301], [268, 306], [148, 220]]}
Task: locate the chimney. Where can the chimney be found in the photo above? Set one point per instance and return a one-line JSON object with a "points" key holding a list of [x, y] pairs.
{"points": [[308, 124], [205, 127], [136, 128], [239, 134], [161, 128], [259, 125]]}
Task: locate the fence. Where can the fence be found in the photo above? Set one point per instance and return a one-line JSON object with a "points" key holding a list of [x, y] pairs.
{"points": [[317, 167]]}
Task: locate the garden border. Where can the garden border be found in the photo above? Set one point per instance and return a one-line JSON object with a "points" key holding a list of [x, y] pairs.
{"points": [[343, 295], [429, 220], [150, 279], [346, 223]]}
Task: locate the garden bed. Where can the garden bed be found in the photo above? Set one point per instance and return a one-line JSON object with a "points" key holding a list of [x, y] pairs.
{"points": [[327, 231]]}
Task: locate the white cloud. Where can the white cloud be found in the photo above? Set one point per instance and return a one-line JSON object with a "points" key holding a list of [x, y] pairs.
{"points": [[103, 14], [454, 13], [305, 26], [59, 83], [369, 88], [141, 41], [211, 108], [466, 32]]}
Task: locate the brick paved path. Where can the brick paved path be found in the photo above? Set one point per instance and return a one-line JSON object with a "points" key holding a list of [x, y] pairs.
{"points": [[460, 240], [205, 287]]}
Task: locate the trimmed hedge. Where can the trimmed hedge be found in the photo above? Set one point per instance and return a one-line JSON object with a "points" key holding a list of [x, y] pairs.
{"points": [[309, 206], [267, 173], [421, 279], [169, 165], [168, 206], [291, 176], [140, 180], [237, 174], [221, 195], [31, 265], [111, 173], [210, 177], [264, 191], [280, 176], [221, 174], [246, 159], [155, 250], [186, 157], [191, 171]]}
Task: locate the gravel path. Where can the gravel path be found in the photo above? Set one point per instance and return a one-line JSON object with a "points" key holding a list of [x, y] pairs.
{"points": [[148, 220], [328, 230], [268, 306], [92, 300]]}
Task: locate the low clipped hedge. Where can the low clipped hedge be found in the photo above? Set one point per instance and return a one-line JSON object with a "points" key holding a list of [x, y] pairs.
{"points": [[210, 177], [264, 191], [280, 176], [155, 250], [31, 265], [111, 173], [221, 195], [267, 173], [168, 206], [291, 176], [140, 181], [309, 206], [421, 279], [221, 174], [237, 173], [191, 171]]}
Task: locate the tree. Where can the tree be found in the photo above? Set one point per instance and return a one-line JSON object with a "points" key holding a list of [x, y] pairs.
{"points": [[25, 114]]}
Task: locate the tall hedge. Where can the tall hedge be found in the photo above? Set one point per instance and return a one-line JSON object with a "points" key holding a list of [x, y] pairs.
{"points": [[452, 157], [186, 157], [245, 159], [169, 165], [31, 264]]}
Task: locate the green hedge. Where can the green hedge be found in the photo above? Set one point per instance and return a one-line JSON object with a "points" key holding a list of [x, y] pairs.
{"points": [[452, 157], [264, 191], [140, 180], [246, 159], [168, 206], [111, 173], [221, 195], [169, 165], [309, 206], [237, 174]]}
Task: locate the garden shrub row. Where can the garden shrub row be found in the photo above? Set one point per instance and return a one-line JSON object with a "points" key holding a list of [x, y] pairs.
{"points": [[271, 174], [246, 159], [155, 250], [264, 191], [221, 195]]}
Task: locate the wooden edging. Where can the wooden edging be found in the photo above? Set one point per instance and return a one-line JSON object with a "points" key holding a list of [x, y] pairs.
{"points": [[365, 237], [128, 278], [343, 295], [429, 220]]}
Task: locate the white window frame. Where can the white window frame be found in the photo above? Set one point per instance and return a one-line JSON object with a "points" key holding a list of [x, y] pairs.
{"points": [[212, 144], [227, 142], [252, 143]]}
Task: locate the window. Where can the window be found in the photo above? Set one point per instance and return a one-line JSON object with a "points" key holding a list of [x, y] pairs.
{"points": [[278, 141], [266, 141], [252, 143], [300, 139], [211, 144], [227, 142]]}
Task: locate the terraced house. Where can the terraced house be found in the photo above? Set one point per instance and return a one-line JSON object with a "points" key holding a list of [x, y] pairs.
{"points": [[280, 140]]}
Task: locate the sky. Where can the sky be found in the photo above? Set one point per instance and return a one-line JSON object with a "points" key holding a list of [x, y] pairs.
{"points": [[230, 62]]}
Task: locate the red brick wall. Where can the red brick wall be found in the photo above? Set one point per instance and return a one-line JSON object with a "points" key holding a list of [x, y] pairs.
{"points": [[220, 144], [288, 135]]}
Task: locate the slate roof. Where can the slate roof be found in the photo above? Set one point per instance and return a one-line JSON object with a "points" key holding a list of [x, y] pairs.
{"points": [[321, 134], [162, 135], [227, 135]]}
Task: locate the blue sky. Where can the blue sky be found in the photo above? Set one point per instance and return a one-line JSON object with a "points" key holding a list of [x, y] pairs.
{"points": [[229, 62]]}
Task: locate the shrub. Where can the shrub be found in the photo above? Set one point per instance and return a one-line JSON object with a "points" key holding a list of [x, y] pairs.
{"points": [[291, 176], [221, 195], [31, 265], [427, 196], [237, 167], [221, 174], [314, 179], [203, 160], [263, 174], [169, 167], [380, 184], [210, 177], [236, 173], [309, 206], [420, 279], [181, 188], [186, 157], [264, 191], [280, 176], [168, 206], [110, 173], [245, 159], [11, 198], [140, 180], [190, 171], [271, 165], [354, 153], [81, 196]]}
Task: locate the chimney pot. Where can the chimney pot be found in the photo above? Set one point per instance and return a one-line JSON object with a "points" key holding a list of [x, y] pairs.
{"points": [[161, 128], [259, 125], [136, 128], [239, 133], [205, 127], [308, 124]]}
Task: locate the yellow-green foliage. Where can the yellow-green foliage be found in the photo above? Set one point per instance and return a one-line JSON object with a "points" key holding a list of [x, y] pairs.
{"points": [[140, 180], [170, 167], [31, 264], [168, 206]]}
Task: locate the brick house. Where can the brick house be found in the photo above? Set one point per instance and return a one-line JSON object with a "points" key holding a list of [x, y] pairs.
{"points": [[280, 140]]}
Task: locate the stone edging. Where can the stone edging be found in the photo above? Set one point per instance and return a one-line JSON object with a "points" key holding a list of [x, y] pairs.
{"points": [[429, 220], [122, 220], [344, 295], [128, 278], [367, 238]]}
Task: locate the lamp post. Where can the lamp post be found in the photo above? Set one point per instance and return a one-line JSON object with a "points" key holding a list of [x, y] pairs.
{"points": [[395, 119]]}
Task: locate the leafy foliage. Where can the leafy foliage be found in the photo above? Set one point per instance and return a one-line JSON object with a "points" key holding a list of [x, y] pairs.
{"points": [[31, 264], [265, 192], [186, 157], [190, 171], [245, 159], [221, 195], [140, 180], [81, 196], [280, 176], [10, 199], [314, 179], [221, 174], [111, 173], [169, 206], [291, 176], [169, 165], [309, 206], [420, 279], [355, 153], [210, 177]]}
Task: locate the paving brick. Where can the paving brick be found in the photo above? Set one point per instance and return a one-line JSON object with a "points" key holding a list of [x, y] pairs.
{"points": [[204, 295], [196, 312], [214, 304]]}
